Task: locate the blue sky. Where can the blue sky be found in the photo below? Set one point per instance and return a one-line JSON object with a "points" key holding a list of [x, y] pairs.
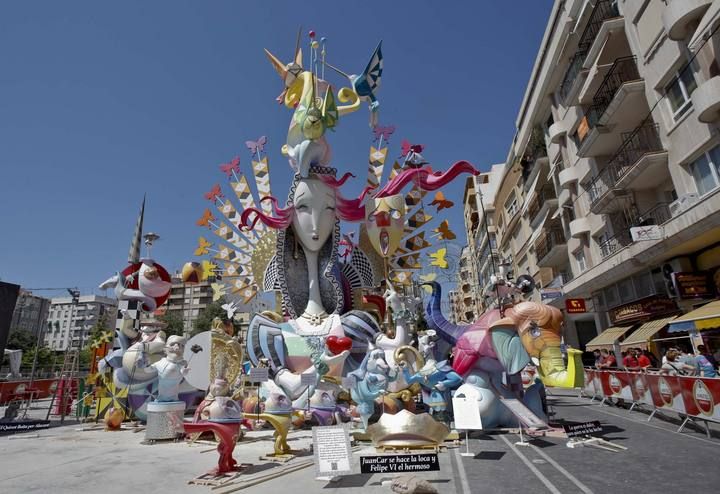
{"points": [[102, 102]]}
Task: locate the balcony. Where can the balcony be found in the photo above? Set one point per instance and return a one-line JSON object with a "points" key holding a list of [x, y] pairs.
{"points": [[680, 16], [622, 88], [551, 247], [556, 132], [706, 100], [657, 215], [641, 163], [544, 200]]}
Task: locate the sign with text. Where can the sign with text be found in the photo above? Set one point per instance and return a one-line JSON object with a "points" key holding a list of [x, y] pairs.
{"points": [[648, 232], [697, 284], [575, 306], [420, 462], [523, 413], [23, 426], [584, 429], [259, 374], [650, 307], [308, 379], [331, 447], [466, 408]]}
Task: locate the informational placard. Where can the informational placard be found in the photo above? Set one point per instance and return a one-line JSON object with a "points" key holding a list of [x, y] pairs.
{"points": [[523, 413], [308, 379], [259, 374], [466, 408], [584, 429], [420, 462], [331, 446], [23, 426]]}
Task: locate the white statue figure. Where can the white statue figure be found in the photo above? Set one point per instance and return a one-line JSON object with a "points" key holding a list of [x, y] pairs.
{"points": [[171, 369], [150, 285]]}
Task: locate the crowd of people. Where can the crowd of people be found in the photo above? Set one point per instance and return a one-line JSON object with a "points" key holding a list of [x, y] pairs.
{"points": [[677, 361]]}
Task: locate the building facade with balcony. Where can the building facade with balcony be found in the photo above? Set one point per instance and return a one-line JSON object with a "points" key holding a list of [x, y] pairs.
{"points": [[30, 314], [626, 98], [187, 300], [69, 325]]}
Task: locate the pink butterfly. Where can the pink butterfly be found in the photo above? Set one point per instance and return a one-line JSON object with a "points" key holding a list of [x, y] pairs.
{"points": [[213, 193], [410, 148], [257, 146], [229, 168], [385, 132]]}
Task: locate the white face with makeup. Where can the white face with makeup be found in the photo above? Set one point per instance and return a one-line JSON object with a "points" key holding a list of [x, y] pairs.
{"points": [[314, 218]]}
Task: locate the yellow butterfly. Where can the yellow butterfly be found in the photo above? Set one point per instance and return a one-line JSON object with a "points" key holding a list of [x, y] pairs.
{"points": [[439, 258], [426, 278], [208, 269], [203, 247], [218, 291]]}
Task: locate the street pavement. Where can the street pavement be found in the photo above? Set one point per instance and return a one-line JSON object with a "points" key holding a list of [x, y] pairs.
{"points": [[658, 459]]}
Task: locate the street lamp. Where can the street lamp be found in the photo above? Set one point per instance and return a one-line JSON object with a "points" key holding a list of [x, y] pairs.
{"points": [[150, 238]]}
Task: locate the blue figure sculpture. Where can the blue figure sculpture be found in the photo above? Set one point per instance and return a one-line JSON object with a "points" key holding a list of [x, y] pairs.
{"points": [[371, 381]]}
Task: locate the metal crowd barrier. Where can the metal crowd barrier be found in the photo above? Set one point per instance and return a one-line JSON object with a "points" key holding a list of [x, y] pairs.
{"points": [[692, 398]]}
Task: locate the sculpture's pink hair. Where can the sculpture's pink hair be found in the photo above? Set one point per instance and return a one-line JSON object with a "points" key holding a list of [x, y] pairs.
{"points": [[353, 209]]}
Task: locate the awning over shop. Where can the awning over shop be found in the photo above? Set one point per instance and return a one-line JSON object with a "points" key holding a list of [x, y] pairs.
{"points": [[642, 335], [607, 338], [706, 317]]}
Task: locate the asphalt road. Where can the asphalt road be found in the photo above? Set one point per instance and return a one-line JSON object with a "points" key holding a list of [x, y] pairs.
{"points": [[657, 459]]}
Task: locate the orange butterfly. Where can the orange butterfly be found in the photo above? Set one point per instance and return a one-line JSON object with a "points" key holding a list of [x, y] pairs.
{"points": [[445, 232], [207, 217], [440, 202]]}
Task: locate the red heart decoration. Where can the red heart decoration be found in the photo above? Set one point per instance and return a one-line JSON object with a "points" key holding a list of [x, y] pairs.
{"points": [[338, 345]]}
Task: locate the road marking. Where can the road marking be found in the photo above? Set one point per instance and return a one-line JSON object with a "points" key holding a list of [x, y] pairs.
{"points": [[644, 422], [570, 476], [461, 473], [551, 487]]}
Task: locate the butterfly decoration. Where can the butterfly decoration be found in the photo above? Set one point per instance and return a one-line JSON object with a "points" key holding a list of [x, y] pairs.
{"points": [[213, 193], [203, 247], [206, 218], [218, 291], [232, 166], [439, 258], [408, 148], [208, 269], [425, 278], [444, 231], [258, 146], [440, 202], [383, 132], [230, 308]]}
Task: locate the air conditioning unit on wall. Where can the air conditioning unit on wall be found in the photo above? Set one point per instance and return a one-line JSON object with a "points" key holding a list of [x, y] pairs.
{"points": [[682, 203]]}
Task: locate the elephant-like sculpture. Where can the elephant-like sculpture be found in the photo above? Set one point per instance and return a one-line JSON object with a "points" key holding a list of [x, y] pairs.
{"points": [[491, 352]]}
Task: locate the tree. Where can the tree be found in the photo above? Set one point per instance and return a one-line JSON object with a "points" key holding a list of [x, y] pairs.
{"points": [[205, 318], [174, 324], [21, 340]]}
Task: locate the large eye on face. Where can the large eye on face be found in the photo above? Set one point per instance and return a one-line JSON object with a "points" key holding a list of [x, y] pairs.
{"points": [[395, 214], [371, 218], [330, 207], [535, 330], [302, 207]]}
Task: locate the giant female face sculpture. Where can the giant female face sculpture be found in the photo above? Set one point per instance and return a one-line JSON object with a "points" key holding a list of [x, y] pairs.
{"points": [[384, 220], [314, 218]]}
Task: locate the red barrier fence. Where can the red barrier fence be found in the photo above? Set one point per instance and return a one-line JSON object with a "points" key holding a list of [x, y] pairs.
{"points": [[10, 390], [694, 396]]}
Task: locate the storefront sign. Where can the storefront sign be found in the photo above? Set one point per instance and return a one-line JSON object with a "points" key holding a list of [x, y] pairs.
{"points": [[584, 429], [331, 447], [420, 462], [696, 284], [650, 307], [575, 305]]}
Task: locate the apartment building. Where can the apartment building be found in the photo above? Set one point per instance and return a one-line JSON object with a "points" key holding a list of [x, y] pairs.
{"points": [[188, 300], [483, 259], [611, 195], [30, 314], [69, 324]]}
